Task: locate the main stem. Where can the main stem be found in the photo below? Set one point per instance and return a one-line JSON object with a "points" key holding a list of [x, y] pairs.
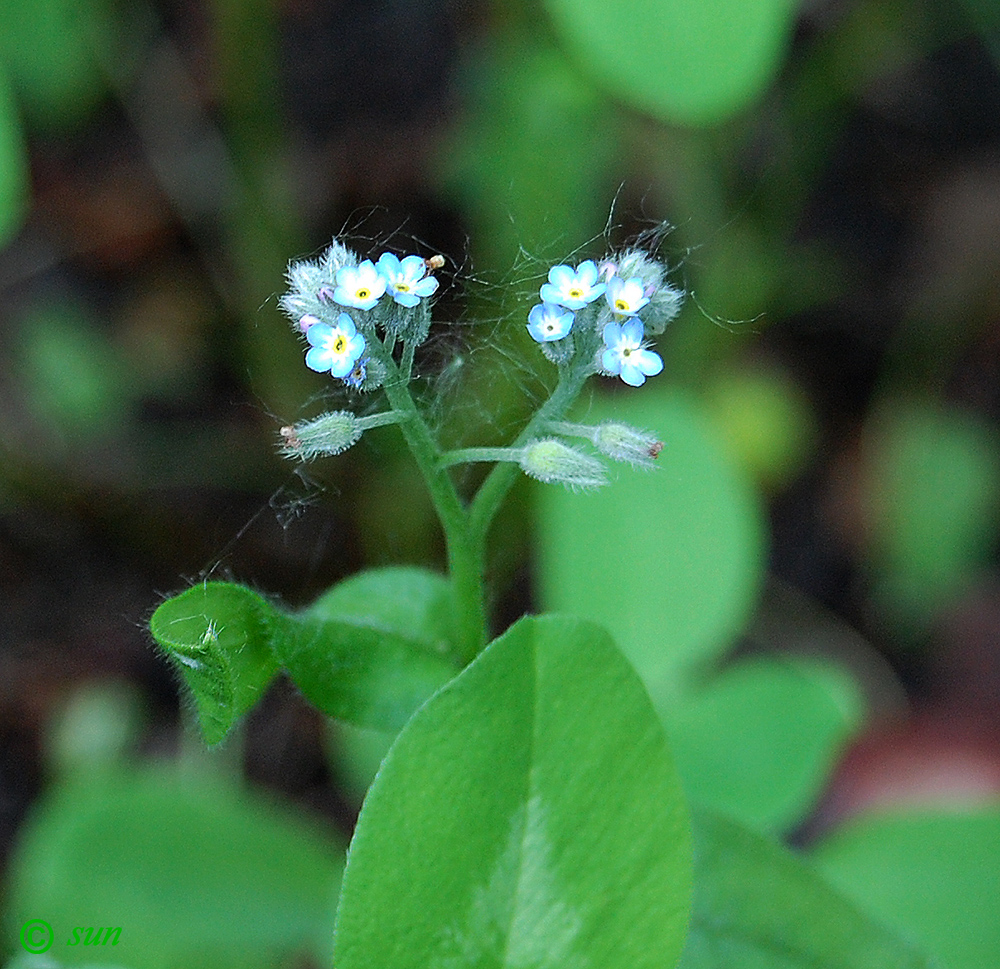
{"points": [[466, 528], [465, 553]]}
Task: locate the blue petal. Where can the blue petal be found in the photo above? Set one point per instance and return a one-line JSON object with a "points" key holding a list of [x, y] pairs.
{"points": [[648, 362], [341, 366], [388, 263], [632, 331], [611, 361], [632, 375], [612, 335], [587, 272], [317, 334], [550, 293], [346, 325], [413, 268], [356, 346], [318, 359], [561, 276], [426, 287], [406, 299]]}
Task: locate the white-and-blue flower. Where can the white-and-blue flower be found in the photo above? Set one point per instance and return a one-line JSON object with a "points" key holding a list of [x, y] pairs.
{"points": [[572, 288], [406, 280], [334, 349], [625, 296], [626, 356], [548, 322], [361, 286]]}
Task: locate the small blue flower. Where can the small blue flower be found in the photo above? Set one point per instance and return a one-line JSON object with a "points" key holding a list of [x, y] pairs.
{"points": [[571, 288], [626, 356], [625, 296], [356, 378], [407, 281], [361, 286], [548, 322], [334, 348]]}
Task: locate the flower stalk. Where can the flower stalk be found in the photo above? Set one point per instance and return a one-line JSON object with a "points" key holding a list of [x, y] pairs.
{"points": [[355, 314]]}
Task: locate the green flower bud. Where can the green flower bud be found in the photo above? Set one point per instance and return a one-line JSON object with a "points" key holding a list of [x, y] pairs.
{"points": [[553, 462], [327, 434], [620, 442]]}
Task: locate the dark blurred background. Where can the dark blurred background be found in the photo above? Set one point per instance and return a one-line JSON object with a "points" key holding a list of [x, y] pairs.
{"points": [[838, 229]]}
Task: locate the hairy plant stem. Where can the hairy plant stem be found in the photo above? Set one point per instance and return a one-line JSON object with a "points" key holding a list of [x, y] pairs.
{"points": [[465, 555], [466, 527]]}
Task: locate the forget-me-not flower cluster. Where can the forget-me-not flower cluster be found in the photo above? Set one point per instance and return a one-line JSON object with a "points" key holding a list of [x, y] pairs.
{"points": [[572, 318], [339, 303], [363, 319]]}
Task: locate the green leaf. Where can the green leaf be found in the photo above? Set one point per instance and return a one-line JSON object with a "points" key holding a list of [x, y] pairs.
{"points": [[933, 494], [537, 155], [58, 338], [13, 164], [218, 636], [48, 47], [228, 642], [933, 875], [366, 676], [196, 873], [759, 741], [404, 600], [529, 814], [669, 560], [756, 906], [691, 62]]}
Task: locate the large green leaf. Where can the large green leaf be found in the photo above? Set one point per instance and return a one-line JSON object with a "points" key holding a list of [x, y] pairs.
{"points": [[528, 815], [684, 61], [756, 906], [669, 560], [759, 741], [13, 164], [933, 874], [347, 657], [195, 874]]}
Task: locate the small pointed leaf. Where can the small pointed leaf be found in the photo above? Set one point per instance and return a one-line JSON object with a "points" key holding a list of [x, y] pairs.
{"points": [[217, 635], [228, 643]]}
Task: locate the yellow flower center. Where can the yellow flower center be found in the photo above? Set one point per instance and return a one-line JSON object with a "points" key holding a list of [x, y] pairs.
{"points": [[576, 292], [621, 304], [626, 351], [340, 344], [363, 293]]}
